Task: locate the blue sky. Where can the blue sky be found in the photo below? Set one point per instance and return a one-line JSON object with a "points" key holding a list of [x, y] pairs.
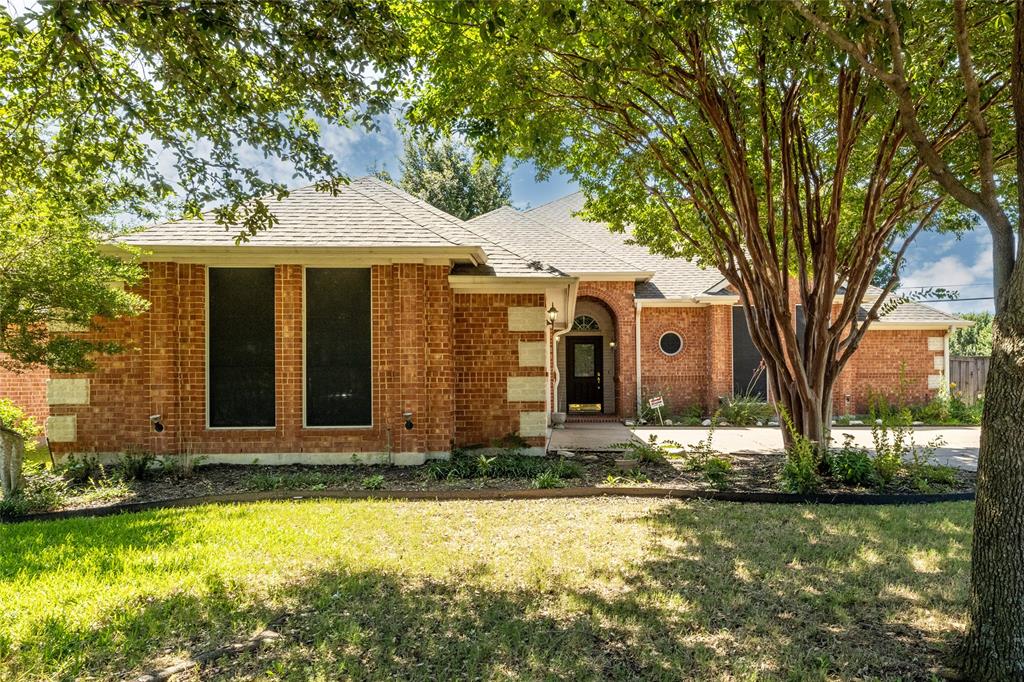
{"points": [[934, 260]]}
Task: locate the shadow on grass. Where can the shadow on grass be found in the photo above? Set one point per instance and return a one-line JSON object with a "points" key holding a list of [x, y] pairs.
{"points": [[723, 591]]}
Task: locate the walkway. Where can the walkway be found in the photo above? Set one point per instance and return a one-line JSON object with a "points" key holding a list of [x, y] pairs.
{"points": [[960, 449]]}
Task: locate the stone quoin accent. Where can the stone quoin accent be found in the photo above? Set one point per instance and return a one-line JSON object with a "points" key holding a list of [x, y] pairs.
{"points": [[67, 392]]}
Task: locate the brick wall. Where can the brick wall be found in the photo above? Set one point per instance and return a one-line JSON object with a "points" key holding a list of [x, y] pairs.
{"points": [[27, 390], [896, 363], [163, 371], [683, 379], [487, 353]]}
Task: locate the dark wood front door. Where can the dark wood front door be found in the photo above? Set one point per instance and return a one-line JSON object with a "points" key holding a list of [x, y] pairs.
{"points": [[585, 367]]}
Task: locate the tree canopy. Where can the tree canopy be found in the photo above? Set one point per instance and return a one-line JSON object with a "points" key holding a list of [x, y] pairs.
{"points": [[973, 340], [119, 111], [444, 173], [728, 133]]}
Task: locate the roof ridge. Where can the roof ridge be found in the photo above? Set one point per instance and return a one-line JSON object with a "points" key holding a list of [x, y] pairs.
{"points": [[398, 213], [553, 201]]}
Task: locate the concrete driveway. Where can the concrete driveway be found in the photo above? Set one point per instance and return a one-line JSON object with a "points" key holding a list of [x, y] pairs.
{"points": [[960, 449]]}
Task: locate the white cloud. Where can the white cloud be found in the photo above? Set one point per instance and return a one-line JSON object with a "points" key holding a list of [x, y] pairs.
{"points": [[964, 266]]}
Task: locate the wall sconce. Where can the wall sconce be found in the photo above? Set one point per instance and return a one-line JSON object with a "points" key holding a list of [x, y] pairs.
{"points": [[552, 314], [611, 344]]}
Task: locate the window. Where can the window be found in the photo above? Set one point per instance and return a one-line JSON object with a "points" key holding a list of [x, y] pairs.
{"points": [[670, 343], [585, 323], [338, 347], [240, 339]]}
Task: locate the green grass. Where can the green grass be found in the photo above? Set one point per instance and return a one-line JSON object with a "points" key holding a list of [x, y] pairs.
{"points": [[564, 589]]}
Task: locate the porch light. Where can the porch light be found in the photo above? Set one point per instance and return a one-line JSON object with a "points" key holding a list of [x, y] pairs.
{"points": [[552, 314], [611, 344]]}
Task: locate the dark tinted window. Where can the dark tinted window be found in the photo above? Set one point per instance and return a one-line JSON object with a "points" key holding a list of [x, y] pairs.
{"points": [[748, 375], [671, 343], [338, 377], [241, 346]]}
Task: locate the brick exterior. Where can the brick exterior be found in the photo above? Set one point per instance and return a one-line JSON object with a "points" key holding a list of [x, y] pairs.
{"points": [[418, 327], [446, 357], [487, 355], [27, 390]]}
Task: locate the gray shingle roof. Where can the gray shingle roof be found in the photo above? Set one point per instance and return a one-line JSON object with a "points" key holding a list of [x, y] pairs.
{"points": [[673, 278], [365, 213], [538, 242]]}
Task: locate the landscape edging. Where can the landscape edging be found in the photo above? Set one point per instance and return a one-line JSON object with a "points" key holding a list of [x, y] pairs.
{"points": [[867, 499]]}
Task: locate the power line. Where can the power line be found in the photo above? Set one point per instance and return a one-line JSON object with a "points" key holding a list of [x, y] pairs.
{"points": [[951, 286], [954, 300]]}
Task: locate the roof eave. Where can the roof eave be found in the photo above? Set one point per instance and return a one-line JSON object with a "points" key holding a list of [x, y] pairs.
{"points": [[249, 254]]}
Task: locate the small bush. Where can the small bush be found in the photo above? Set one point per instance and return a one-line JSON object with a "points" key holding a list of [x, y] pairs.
{"points": [[15, 419], [629, 478], [375, 482], [463, 465], [717, 471], [297, 480], [43, 491], [637, 449], [180, 466], [800, 473], [135, 465], [81, 469], [548, 479], [745, 410], [852, 465]]}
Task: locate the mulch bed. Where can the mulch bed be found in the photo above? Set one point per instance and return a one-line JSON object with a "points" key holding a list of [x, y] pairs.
{"points": [[751, 473]]}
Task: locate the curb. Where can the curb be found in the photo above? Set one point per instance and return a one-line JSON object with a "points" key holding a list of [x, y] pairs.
{"points": [[495, 495]]}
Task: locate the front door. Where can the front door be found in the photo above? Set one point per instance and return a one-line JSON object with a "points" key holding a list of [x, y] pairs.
{"points": [[585, 366]]}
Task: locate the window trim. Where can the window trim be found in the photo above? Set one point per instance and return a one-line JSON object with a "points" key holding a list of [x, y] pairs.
{"points": [[206, 350], [373, 368], [682, 343]]}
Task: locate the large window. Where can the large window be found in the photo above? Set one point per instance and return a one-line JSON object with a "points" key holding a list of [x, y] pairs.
{"points": [[338, 347], [241, 347]]}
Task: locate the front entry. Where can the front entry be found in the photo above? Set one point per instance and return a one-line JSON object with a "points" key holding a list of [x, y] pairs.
{"points": [[585, 365]]}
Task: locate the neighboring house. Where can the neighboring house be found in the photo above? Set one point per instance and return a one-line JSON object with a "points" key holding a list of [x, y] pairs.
{"points": [[372, 323]]}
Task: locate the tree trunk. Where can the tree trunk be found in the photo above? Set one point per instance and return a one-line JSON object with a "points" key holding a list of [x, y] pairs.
{"points": [[812, 418], [994, 647], [12, 454]]}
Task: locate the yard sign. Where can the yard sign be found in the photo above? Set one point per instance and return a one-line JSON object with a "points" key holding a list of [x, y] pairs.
{"points": [[656, 403]]}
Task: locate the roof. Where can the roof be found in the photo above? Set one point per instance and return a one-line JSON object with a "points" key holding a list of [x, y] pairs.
{"points": [[674, 278]]}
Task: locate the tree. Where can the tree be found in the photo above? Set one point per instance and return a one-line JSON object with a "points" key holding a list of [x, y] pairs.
{"points": [[974, 340], [958, 66], [445, 174], [101, 99], [724, 133]]}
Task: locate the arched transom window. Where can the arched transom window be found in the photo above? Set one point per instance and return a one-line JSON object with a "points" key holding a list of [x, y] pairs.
{"points": [[585, 323]]}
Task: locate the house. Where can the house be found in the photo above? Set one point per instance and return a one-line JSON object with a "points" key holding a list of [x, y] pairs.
{"points": [[370, 325]]}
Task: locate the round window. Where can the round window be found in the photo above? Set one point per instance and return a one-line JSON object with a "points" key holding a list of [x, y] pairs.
{"points": [[670, 343]]}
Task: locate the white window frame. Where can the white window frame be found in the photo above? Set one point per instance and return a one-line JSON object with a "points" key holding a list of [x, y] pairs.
{"points": [[682, 343]]}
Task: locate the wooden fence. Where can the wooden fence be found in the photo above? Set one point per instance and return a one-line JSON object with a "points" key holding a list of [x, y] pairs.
{"points": [[969, 374]]}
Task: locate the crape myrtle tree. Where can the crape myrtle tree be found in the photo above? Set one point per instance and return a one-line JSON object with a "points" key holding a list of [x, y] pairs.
{"points": [[117, 111], [114, 111], [730, 133], [962, 64], [444, 173]]}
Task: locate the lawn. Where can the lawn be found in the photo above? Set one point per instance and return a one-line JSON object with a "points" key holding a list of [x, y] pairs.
{"points": [[567, 589]]}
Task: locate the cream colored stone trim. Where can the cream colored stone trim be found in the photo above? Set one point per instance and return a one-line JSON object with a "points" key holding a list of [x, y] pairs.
{"points": [[533, 424], [939, 362], [526, 319], [531, 354], [934, 381], [67, 392], [526, 389], [935, 343], [62, 428]]}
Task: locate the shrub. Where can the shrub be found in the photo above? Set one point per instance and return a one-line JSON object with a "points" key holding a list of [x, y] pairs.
{"points": [[135, 465], [717, 471], [296, 480], [15, 419], [893, 438], [642, 452], [43, 491], [375, 482], [701, 452], [852, 465], [745, 410], [630, 478], [81, 469], [800, 472], [181, 466], [548, 479], [462, 464]]}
